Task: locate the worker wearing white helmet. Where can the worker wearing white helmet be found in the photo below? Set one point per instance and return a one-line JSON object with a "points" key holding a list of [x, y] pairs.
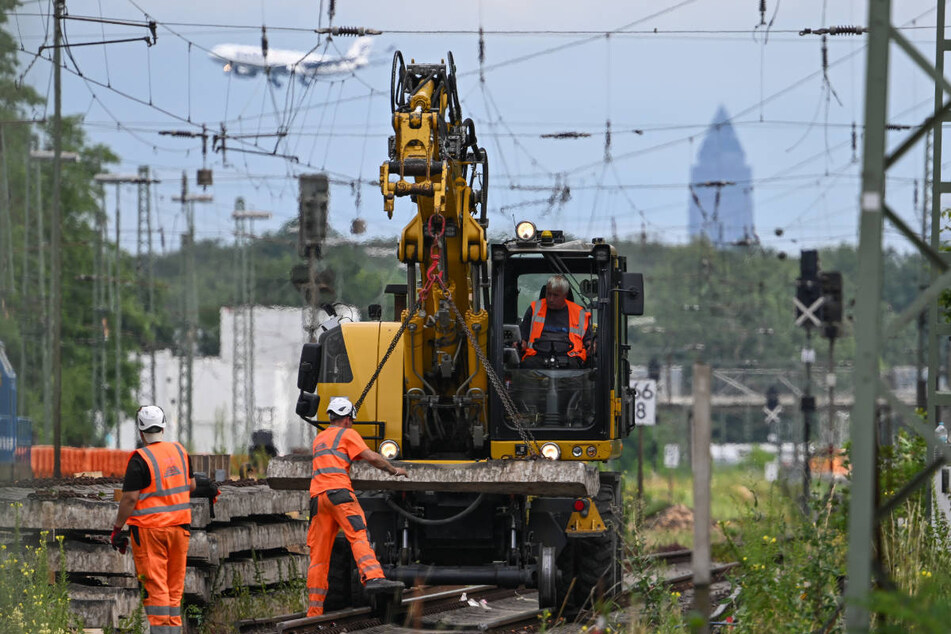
{"points": [[155, 503], [333, 505]]}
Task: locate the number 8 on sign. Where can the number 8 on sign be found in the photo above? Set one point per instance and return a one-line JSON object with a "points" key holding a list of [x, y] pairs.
{"points": [[645, 402]]}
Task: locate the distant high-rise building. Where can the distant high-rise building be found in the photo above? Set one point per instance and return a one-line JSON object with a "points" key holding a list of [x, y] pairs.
{"points": [[720, 203]]}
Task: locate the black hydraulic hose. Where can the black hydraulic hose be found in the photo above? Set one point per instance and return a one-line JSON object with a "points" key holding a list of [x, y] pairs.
{"points": [[446, 520]]}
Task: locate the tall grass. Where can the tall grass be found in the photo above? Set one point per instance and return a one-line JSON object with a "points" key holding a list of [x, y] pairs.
{"points": [[791, 565], [915, 595], [33, 597]]}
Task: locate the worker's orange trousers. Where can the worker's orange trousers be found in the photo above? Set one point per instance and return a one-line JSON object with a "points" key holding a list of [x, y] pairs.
{"points": [[329, 512], [159, 555]]}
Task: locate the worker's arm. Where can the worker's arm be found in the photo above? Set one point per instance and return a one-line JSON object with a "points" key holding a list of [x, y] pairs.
{"points": [[126, 506], [192, 484], [381, 463]]}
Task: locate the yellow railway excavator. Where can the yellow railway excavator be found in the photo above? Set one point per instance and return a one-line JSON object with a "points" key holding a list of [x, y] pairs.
{"points": [[504, 486]]}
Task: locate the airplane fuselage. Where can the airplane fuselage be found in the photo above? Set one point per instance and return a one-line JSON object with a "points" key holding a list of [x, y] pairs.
{"points": [[248, 60]]}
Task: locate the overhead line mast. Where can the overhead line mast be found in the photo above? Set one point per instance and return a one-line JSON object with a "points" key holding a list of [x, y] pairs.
{"points": [[865, 514]]}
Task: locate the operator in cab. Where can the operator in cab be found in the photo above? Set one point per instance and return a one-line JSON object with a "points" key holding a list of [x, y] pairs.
{"points": [[555, 331]]}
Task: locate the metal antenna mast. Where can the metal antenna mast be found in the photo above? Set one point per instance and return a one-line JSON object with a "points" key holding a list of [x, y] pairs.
{"points": [[864, 512], [243, 404]]}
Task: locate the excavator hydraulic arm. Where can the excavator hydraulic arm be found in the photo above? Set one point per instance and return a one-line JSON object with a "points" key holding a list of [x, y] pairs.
{"points": [[434, 159]]}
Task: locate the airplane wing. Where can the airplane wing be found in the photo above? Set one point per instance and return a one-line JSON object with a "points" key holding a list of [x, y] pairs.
{"points": [[356, 56], [359, 51]]}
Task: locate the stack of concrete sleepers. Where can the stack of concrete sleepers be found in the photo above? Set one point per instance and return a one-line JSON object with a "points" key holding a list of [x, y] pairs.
{"points": [[257, 538]]}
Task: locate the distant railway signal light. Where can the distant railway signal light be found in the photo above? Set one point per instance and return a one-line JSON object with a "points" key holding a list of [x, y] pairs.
{"points": [[808, 291], [313, 204], [772, 397], [830, 283]]}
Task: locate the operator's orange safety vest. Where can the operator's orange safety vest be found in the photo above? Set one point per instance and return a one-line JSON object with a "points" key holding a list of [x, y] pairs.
{"points": [[578, 321], [165, 502]]}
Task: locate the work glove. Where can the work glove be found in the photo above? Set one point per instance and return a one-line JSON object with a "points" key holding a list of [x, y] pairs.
{"points": [[118, 541], [206, 488]]}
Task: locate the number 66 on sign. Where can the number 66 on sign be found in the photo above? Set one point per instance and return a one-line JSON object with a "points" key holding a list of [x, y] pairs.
{"points": [[645, 402]]}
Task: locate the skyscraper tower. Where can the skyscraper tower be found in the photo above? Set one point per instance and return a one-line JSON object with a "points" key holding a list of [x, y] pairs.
{"points": [[720, 201]]}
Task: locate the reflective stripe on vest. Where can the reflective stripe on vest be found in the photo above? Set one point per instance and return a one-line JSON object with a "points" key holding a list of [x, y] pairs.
{"points": [[576, 328], [166, 500]]}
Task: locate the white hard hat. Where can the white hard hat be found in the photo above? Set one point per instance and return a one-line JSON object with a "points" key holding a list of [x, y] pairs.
{"points": [[340, 406], [150, 416]]}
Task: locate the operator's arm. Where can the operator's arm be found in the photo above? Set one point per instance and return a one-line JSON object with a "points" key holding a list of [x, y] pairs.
{"points": [[126, 506], [136, 478], [525, 329], [192, 485], [588, 340], [381, 463]]}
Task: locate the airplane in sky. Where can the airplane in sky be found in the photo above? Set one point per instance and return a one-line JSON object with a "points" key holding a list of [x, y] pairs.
{"points": [[247, 61]]}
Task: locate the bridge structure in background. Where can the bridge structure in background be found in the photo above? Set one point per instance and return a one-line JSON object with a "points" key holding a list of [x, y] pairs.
{"points": [[746, 387]]}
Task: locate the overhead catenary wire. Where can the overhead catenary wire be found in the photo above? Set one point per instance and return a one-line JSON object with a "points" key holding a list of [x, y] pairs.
{"points": [[225, 26], [510, 133]]}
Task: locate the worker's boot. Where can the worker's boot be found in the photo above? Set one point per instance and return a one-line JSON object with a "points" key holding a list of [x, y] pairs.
{"points": [[385, 598], [382, 584]]}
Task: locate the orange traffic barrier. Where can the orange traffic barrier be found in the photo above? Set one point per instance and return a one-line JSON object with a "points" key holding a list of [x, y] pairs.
{"points": [[830, 461], [111, 463]]}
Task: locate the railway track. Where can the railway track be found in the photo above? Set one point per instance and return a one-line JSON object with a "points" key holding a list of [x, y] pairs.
{"points": [[469, 608], [475, 608], [679, 579]]}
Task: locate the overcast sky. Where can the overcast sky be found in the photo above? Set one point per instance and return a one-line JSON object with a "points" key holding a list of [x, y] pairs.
{"points": [[657, 70]]}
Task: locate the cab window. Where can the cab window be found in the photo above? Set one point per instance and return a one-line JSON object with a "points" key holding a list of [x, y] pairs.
{"points": [[336, 364]]}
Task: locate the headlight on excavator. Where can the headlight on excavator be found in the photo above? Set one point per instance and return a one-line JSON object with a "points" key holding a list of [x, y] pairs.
{"points": [[389, 449], [551, 451], [525, 231]]}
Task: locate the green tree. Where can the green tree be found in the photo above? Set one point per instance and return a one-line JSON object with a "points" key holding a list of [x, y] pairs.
{"points": [[23, 314]]}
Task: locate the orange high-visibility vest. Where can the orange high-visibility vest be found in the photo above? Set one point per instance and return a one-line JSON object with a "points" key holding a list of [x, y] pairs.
{"points": [[165, 502], [578, 321], [333, 448]]}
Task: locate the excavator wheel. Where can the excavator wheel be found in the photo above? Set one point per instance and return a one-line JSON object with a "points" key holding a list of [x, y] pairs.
{"points": [[547, 579], [598, 559]]}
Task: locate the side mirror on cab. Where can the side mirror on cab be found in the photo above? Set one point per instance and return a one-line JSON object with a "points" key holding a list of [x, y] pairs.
{"points": [[631, 293], [307, 405], [309, 368]]}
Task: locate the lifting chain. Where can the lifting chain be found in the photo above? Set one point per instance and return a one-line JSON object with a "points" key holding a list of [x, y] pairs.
{"points": [[500, 390], [434, 276], [389, 351], [433, 273]]}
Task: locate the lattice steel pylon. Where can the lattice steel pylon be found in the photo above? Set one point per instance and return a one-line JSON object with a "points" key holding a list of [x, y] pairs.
{"points": [[243, 404], [144, 269], [864, 512], [188, 335]]}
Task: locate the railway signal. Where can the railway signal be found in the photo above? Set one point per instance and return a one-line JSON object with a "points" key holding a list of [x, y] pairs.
{"points": [[808, 299], [314, 201], [830, 284]]}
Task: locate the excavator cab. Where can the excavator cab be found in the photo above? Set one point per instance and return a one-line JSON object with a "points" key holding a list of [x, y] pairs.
{"points": [[579, 410]]}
